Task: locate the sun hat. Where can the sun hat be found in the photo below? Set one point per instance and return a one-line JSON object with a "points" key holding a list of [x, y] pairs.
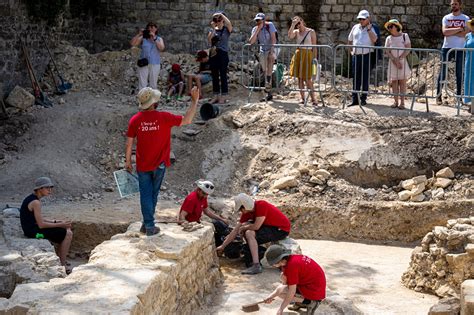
{"points": [[363, 14], [243, 200], [206, 186], [175, 67], [42, 182], [201, 55], [394, 22], [259, 16], [275, 253], [147, 97]]}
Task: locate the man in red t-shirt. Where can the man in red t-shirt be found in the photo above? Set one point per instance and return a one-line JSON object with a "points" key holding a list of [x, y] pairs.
{"points": [[303, 280], [260, 222], [152, 131]]}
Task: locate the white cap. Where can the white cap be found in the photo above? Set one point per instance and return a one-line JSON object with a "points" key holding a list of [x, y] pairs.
{"points": [[243, 200], [206, 186], [364, 14], [259, 16]]}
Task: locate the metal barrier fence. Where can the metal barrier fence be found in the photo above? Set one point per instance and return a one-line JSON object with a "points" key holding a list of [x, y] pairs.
{"points": [[312, 63], [373, 70], [462, 59]]}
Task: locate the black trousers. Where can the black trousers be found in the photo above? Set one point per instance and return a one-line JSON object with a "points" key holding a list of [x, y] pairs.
{"points": [[219, 64]]}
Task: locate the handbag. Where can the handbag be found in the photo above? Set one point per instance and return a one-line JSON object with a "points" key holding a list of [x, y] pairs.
{"points": [[412, 58], [142, 62]]}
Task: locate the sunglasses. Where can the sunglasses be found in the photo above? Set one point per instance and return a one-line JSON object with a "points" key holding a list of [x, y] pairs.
{"points": [[391, 26], [48, 187], [362, 19]]}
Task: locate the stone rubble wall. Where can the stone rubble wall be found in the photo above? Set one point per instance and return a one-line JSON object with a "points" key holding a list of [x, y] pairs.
{"points": [[110, 24], [444, 260], [172, 273]]}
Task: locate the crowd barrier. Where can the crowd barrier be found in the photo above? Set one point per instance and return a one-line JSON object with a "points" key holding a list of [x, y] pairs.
{"points": [[462, 60], [334, 67]]}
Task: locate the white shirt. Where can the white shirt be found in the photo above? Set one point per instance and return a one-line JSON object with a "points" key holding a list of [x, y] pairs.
{"points": [[454, 21], [359, 36]]}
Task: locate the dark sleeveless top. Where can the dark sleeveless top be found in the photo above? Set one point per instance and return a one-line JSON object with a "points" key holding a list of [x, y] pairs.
{"points": [[27, 217]]}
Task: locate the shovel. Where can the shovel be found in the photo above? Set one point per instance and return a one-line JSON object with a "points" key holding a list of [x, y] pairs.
{"points": [[64, 86], [249, 308], [40, 98]]}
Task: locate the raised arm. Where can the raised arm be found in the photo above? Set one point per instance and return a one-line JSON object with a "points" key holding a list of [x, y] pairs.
{"points": [[188, 117], [227, 23], [137, 39]]}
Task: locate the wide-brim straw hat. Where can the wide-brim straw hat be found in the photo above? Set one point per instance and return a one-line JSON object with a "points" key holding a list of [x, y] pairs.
{"points": [[393, 22], [147, 97], [470, 23]]}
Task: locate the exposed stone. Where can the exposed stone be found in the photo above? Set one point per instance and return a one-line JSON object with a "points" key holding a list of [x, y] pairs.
{"points": [[409, 183], [20, 98], [442, 182], [417, 189], [285, 182], [446, 306], [323, 173], [316, 180], [417, 198], [437, 193], [467, 297], [11, 213], [169, 273], [264, 184], [445, 173], [404, 195]]}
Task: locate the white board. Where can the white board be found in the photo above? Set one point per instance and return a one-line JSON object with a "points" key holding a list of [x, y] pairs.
{"points": [[127, 183]]}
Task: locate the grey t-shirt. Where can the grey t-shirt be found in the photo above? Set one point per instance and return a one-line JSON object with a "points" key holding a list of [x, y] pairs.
{"points": [[265, 37], [223, 43]]}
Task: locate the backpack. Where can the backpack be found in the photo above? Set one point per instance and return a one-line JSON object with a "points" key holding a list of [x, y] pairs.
{"points": [[248, 256], [377, 53]]}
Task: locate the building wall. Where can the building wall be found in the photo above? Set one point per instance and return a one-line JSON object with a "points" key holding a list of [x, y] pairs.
{"points": [[110, 24]]}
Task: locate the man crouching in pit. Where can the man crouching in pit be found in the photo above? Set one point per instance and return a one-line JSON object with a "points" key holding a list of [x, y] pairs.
{"points": [[303, 280], [196, 203], [260, 223]]}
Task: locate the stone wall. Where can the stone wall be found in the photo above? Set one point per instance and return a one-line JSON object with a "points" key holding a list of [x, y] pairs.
{"points": [[110, 24], [170, 273]]}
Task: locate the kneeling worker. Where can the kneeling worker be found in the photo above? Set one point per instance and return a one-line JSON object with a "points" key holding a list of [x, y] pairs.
{"points": [[196, 203], [303, 280], [260, 222]]}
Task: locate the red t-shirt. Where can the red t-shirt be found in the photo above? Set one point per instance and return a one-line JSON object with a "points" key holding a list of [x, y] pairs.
{"points": [[153, 132], [307, 275], [273, 215], [194, 207]]}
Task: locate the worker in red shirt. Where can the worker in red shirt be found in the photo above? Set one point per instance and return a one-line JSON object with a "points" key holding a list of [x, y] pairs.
{"points": [[152, 131], [303, 280], [260, 222], [196, 203]]}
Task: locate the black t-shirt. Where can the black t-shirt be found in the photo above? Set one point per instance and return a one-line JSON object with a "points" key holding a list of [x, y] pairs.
{"points": [[204, 67], [27, 217]]}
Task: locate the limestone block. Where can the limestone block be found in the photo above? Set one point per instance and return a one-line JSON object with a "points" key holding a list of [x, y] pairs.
{"points": [[303, 169], [404, 195], [470, 250], [467, 297], [316, 180], [417, 198], [437, 193], [417, 189], [20, 98], [285, 182], [323, 173], [442, 182], [445, 173], [440, 232], [446, 306], [409, 183]]}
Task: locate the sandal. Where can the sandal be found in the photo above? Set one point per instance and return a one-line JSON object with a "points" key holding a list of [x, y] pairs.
{"points": [[301, 102], [394, 105], [315, 103], [401, 106]]}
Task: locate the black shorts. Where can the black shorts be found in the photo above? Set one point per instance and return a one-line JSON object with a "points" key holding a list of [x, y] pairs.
{"points": [[55, 235], [268, 233]]}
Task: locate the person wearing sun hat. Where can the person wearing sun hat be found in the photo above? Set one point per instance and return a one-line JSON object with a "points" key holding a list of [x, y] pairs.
{"points": [[303, 280], [260, 222], [469, 67], [454, 29], [151, 129], [35, 226], [398, 67]]}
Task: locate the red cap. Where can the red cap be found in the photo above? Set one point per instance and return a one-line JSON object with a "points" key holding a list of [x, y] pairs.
{"points": [[175, 67]]}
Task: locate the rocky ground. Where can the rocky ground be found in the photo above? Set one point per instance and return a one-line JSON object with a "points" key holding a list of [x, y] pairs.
{"points": [[336, 172]]}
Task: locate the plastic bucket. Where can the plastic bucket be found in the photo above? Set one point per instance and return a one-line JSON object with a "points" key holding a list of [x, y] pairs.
{"points": [[208, 111]]}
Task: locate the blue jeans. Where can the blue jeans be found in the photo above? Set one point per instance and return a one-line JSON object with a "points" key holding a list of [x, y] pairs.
{"points": [[149, 184], [360, 71], [458, 57]]}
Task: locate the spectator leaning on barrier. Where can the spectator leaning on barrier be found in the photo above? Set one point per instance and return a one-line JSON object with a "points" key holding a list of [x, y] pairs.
{"points": [[303, 280], [454, 30], [264, 33], [152, 131], [260, 222], [469, 67], [398, 68], [362, 34], [301, 66], [149, 62]]}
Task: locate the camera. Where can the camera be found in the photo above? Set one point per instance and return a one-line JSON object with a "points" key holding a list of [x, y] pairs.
{"points": [[146, 34], [297, 25], [216, 19]]}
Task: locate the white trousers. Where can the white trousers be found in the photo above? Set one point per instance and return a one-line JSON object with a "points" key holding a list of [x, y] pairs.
{"points": [[148, 76]]}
